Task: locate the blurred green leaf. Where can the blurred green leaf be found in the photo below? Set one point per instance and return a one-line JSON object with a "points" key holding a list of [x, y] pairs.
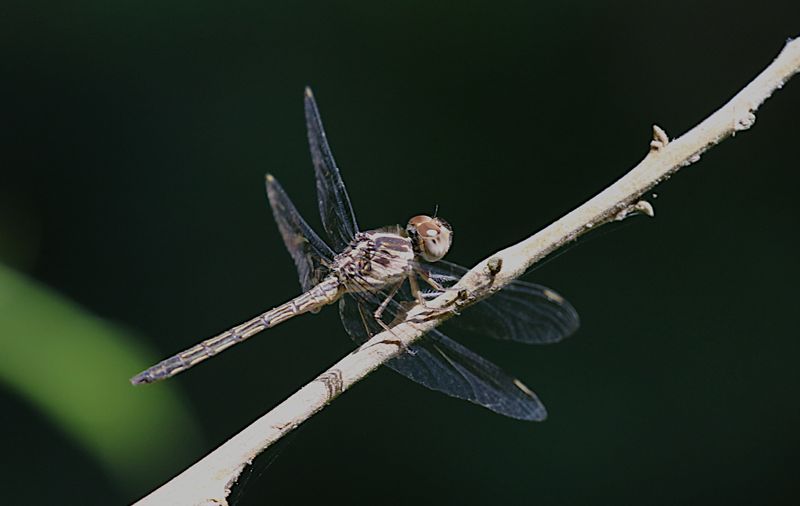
{"points": [[74, 367]]}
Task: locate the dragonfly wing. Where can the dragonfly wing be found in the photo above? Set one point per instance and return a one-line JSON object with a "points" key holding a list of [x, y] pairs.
{"points": [[521, 311], [310, 253], [338, 218], [442, 364]]}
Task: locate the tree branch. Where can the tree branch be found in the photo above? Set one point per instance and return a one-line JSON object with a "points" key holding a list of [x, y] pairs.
{"points": [[209, 480]]}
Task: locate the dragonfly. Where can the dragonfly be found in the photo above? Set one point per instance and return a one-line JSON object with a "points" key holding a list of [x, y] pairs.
{"points": [[376, 275]]}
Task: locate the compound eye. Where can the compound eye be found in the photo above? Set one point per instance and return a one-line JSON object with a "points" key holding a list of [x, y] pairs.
{"points": [[433, 235], [420, 224]]}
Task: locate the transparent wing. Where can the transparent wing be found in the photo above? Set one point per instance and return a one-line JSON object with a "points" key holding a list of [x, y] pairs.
{"points": [[310, 253], [337, 215], [442, 364], [522, 311]]}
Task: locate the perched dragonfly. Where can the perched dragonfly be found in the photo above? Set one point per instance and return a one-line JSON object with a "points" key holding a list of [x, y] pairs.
{"points": [[375, 276]]}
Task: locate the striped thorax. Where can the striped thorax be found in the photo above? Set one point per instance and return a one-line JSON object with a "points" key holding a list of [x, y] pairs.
{"points": [[375, 260]]}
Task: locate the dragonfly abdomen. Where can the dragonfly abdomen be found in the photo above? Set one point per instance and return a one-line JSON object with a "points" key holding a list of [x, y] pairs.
{"points": [[322, 294]]}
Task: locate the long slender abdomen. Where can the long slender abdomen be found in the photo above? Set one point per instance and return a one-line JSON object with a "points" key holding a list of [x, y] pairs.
{"points": [[322, 294]]}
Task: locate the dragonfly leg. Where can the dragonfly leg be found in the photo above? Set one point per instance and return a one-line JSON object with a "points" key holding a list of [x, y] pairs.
{"points": [[379, 312], [432, 282], [438, 287], [397, 342], [386, 328], [420, 296], [415, 291]]}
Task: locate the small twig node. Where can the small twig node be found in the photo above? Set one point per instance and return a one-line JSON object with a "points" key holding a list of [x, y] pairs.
{"points": [[660, 139]]}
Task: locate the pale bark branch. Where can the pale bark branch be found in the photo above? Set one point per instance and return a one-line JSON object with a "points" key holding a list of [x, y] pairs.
{"points": [[209, 480]]}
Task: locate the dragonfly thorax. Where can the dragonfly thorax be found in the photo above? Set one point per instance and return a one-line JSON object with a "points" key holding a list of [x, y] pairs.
{"points": [[375, 260]]}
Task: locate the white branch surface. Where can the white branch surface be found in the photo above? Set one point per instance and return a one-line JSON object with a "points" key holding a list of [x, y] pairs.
{"points": [[209, 480]]}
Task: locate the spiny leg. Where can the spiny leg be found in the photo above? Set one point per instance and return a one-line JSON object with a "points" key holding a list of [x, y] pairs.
{"points": [[397, 342], [376, 315], [415, 291], [432, 282], [436, 285], [432, 312], [379, 312]]}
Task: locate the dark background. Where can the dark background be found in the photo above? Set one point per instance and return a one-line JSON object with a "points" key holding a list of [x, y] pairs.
{"points": [[136, 136]]}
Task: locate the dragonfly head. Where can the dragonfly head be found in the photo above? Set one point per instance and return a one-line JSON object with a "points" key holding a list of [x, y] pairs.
{"points": [[431, 237]]}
